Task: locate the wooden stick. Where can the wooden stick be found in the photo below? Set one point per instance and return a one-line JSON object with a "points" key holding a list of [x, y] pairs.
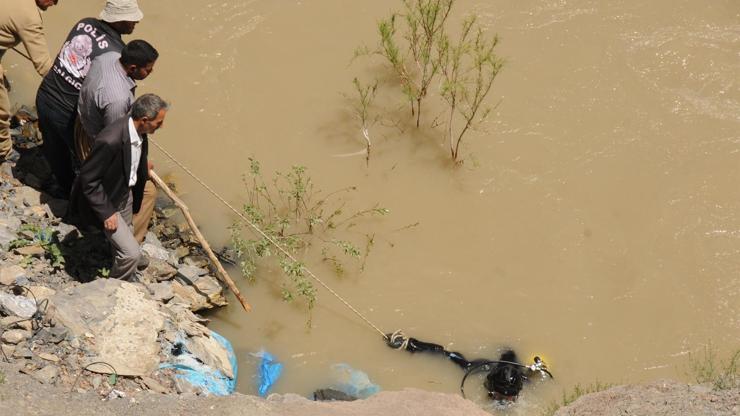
{"points": [[186, 212]]}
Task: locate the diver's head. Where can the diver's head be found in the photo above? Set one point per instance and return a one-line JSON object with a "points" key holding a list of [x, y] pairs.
{"points": [[505, 381]]}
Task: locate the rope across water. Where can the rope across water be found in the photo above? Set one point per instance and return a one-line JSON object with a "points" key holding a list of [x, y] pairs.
{"points": [[267, 237]]}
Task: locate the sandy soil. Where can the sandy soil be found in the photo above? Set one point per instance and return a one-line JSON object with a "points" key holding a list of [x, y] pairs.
{"points": [[662, 398], [20, 395]]}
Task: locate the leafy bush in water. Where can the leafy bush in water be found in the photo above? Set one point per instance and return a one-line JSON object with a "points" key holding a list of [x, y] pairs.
{"points": [[418, 50], [292, 214]]}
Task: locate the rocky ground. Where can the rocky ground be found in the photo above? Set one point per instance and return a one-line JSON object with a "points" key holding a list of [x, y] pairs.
{"points": [[73, 341], [662, 398], [60, 314]]}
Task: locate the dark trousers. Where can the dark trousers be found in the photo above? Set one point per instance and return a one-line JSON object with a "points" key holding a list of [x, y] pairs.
{"points": [[57, 128]]}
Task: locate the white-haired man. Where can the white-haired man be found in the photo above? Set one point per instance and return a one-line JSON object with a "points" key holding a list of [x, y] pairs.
{"points": [[110, 187]]}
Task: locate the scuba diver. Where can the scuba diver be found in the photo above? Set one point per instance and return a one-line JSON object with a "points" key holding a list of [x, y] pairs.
{"points": [[505, 378]]}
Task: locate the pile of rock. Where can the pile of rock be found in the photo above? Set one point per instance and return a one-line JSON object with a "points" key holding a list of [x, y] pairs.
{"points": [[63, 323]]}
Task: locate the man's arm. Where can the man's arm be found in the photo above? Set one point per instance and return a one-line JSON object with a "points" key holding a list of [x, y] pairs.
{"points": [[92, 173], [114, 111], [31, 33]]}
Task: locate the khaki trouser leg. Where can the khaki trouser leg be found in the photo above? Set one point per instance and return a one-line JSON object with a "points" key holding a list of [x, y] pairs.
{"points": [[83, 143], [142, 218], [6, 144]]}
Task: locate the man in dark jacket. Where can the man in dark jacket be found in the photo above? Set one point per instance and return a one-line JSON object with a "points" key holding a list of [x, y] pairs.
{"points": [[57, 96], [110, 186]]}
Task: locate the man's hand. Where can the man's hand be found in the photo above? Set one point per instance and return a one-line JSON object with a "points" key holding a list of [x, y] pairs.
{"points": [[150, 165], [111, 224]]}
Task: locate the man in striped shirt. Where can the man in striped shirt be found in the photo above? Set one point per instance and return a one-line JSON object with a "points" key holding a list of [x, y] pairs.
{"points": [[108, 90]]}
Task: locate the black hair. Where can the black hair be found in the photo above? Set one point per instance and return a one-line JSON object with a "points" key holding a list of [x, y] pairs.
{"points": [[138, 52]]}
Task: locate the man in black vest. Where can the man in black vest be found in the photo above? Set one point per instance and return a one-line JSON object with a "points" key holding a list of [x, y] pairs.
{"points": [[56, 99], [110, 186]]}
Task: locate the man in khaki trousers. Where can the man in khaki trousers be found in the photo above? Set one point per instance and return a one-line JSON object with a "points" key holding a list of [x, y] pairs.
{"points": [[20, 22]]}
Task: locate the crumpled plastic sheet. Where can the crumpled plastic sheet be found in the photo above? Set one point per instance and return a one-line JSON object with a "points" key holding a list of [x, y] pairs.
{"points": [[269, 371], [352, 382], [211, 381]]}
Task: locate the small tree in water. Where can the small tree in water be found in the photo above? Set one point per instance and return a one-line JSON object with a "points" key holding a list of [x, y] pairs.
{"points": [[468, 70], [418, 50], [290, 213]]}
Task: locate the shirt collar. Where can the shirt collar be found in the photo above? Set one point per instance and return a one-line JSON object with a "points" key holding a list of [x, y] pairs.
{"points": [[124, 76], [133, 134]]}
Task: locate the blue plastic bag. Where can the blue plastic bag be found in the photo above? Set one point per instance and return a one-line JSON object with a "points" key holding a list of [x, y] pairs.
{"points": [[353, 382], [269, 371], [211, 381]]}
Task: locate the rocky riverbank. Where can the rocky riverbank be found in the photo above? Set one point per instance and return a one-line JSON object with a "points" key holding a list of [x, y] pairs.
{"points": [[64, 323]]}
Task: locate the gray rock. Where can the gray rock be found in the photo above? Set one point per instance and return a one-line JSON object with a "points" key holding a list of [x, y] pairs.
{"points": [[17, 305], [160, 270], [173, 259], [74, 343], [67, 232], [155, 252], [161, 292], [53, 335], [10, 322], [27, 234], [206, 293], [6, 236], [15, 336], [72, 361], [9, 274], [22, 352], [41, 292], [26, 196], [196, 261], [152, 239], [7, 350], [47, 375], [169, 212], [6, 169], [190, 274], [181, 251], [183, 387], [211, 353], [22, 281], [49, 357], [35, 251], [119, 317], [154, 385], [9, 226]]}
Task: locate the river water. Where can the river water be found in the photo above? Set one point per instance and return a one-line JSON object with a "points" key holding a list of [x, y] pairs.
{"points": [[595, 219]]}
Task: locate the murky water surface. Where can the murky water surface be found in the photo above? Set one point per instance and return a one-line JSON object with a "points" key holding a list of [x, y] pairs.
{"points": [[595, 220]]}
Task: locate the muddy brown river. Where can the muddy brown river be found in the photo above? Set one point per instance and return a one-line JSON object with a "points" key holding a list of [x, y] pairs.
{"points": [[595, 219]]}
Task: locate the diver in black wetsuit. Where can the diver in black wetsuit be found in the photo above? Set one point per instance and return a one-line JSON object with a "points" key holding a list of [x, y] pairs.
{"points": [[505, 378]]}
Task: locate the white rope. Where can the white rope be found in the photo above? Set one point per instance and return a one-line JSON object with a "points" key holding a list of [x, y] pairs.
{"points": [[267, 237]]}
